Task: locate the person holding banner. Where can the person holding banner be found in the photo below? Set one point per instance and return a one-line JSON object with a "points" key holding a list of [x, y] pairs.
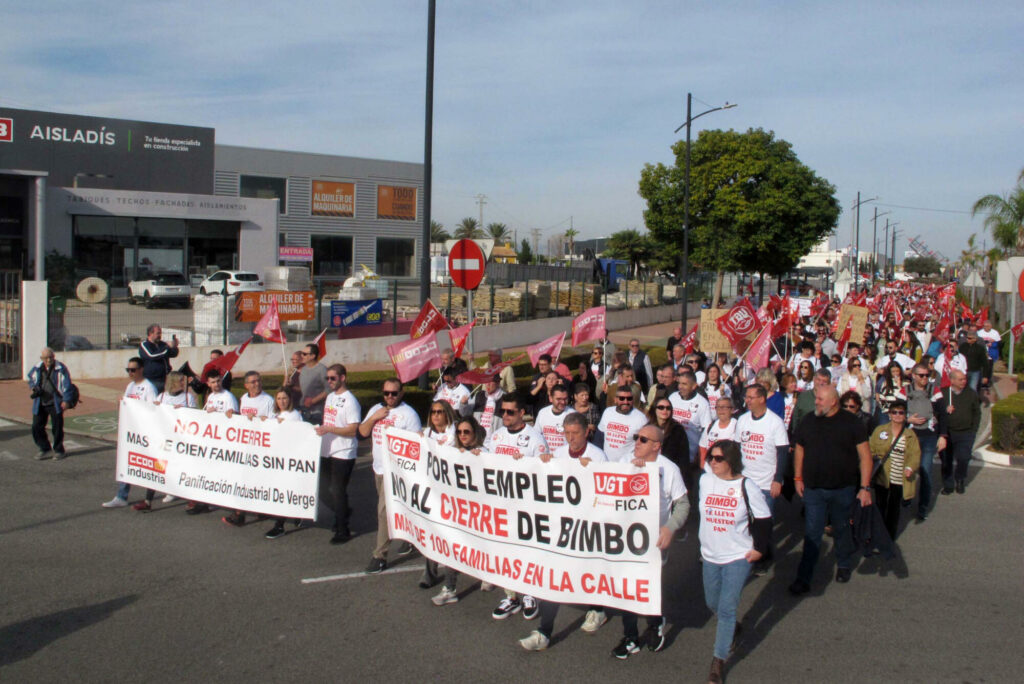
{"points": [[138, 388], [735, 532], [219, 400], [176, 394], [284, 409], [576, 447], [341, 416], [674, 508], [441, 423], [255, 404], [516, 439]]}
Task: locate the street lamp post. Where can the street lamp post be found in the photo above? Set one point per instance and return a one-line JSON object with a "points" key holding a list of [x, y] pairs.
{"points": [[856, 241], [686, 198]]}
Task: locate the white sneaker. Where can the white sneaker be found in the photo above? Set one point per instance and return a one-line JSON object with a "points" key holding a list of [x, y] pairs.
{"points": [[445, 597], [169, 498], [535, 642], [116, 502], [593, 621], [486, 586]]}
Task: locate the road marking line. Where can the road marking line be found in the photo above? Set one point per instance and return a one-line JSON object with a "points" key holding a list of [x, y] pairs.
{"points": [[70, 444], [7, 456], [353, 575]]}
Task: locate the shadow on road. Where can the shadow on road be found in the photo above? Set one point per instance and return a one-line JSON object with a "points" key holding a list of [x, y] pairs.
{"points": [[21, 640]]}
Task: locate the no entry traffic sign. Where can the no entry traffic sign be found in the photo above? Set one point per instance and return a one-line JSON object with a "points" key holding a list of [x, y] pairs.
{"points": [[466, 264]]}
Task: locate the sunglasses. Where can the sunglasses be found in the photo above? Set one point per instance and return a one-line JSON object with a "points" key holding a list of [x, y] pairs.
{"points": [[663, 407], [389, 393], [854, 365], [464, 432], [508, 412], [132, 370], [921, 375], [717, 458], [642, 439], [629, 398], [897, 412], [851, 406], [436, 412]]}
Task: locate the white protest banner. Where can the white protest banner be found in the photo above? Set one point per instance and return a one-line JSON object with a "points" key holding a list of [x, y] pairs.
{"points": [[805, 305], [558, 531], [241, 464]]}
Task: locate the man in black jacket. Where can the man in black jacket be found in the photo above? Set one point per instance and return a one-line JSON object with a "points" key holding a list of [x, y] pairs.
{"points": [[963, 416], [976, 353], [156, 356]]}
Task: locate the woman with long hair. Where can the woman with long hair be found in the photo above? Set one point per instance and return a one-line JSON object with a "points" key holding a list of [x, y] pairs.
{"points": [[804, 376], [440, 425], [714, 387], [674, 444], [284, 410], [890, 386]]}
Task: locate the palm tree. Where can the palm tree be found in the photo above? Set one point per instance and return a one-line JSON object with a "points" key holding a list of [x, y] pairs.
{"points": [[468, 228], [631, 246], [438, 233], [498, 232], [1005, 216], [570, 235]]}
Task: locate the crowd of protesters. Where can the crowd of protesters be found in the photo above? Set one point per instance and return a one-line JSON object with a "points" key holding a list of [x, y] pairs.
{"points": [[841, 423]]}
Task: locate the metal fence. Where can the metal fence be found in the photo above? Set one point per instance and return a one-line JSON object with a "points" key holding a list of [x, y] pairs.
{"points": [[10, 324]]}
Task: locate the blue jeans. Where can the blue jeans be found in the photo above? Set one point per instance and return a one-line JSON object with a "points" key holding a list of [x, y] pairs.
{"points": [[958, 450], [929, 443], [122, 490], [769, 500], [973, 379], [821, 505], [722, 587]]}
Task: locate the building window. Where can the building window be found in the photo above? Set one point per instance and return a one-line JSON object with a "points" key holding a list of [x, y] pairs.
{"points": [[332, 255], [265, 187], [395, 256]]}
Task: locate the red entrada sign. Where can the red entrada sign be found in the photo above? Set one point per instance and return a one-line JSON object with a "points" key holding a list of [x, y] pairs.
{"points": [[466, 264]]}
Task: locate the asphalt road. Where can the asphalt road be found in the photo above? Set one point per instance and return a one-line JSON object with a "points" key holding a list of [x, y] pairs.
{"points": [[94, 595]]}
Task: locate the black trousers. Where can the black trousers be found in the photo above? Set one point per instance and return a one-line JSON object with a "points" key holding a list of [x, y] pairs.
{"points": [[341, 473], [889, 501], [56, 425]]}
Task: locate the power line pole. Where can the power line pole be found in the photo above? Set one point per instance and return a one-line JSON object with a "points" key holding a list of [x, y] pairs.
{"points": [[535, 232]]}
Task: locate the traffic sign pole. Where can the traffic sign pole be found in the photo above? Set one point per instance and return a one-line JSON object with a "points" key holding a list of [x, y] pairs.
{"points": [[466, 269]]}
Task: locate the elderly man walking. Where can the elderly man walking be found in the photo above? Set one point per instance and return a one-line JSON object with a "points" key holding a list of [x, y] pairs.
{"points": [[50, 383]]}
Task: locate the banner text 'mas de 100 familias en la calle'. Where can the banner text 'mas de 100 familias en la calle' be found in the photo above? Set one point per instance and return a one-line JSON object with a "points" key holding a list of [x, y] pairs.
{"points": [[255, 465], [558, 531]]}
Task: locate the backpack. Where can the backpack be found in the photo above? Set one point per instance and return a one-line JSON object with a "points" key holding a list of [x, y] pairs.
{"points": [[71, 396]]}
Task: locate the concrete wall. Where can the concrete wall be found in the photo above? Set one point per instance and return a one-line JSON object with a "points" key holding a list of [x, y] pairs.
{"points": [[355, 352], [33, 326]]}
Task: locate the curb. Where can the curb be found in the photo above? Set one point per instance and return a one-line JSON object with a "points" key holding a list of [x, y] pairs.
{"points": [[986, 454], [102, 436]]}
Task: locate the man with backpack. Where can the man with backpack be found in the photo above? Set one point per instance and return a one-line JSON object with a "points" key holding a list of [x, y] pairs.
{"points": [[52, 394]]}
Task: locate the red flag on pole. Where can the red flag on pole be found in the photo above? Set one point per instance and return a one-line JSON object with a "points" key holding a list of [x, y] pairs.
{"points": [[589, 325], [690, 341], [552, 346], [458, 337], [1017, 330], [269, 326], [412, 358], [321, 343], [944, 381], [738, 322], [981, 316], [759, 352], [226, 362], [428, 320], [482, 375], [844, 339]]}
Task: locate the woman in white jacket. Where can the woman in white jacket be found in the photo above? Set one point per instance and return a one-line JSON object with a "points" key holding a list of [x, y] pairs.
{"points": [[858, 379]]}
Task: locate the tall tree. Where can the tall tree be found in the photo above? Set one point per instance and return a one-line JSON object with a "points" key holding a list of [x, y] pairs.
{"points": [[754, 206], [438, 233], [631, 246], [922, 265], [498, 232], [525, 253], [1005, 216], [468, 228]]}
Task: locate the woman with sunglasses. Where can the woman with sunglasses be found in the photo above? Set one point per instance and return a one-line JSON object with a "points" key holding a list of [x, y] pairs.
{"points": [[805, 376], [440, 423], [852, 402], [858, 380], [735, 530], [469, 437], [897, 456], [722, 427], [890, 386], [713, 386], [674, 445]]}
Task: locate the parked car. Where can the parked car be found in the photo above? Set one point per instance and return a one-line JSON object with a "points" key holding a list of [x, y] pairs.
{"points": [[232, 281], [161, 288]]}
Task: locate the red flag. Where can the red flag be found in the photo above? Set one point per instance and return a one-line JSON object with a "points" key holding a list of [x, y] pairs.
{"points": [[819, 304], [944, 381], [738, 322], [1016, 331], [942, 330], [763, 317], [481, 375], [589, 325], [269, 326], [690, 341], [412, 358], [844, 339], [226, 362], [458, 336], [428, 320], [552, 346], [981, 316], [759, 352], [321, 343], [774, 304], [781, 326], [966, 311]]}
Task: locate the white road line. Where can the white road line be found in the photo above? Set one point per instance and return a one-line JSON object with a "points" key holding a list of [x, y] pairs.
{"points": [[70, 445], [6, 423], [7, 456], [353, 575]]}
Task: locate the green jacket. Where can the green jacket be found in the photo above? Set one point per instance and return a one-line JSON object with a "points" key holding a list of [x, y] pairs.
{"points": [[880, 446]]}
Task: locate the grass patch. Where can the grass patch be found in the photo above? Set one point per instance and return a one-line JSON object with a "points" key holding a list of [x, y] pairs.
{"points": [[1008, 423]]}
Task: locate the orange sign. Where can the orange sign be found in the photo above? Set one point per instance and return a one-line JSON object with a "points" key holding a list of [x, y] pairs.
{"points": [[396, 202], [333, 199], [291, 306]]}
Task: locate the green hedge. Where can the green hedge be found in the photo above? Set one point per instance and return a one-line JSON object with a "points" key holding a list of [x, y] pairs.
{"points": [[1008, 423]]}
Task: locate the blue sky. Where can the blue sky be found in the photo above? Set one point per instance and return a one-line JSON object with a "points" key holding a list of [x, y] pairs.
{"points": [[551, 109]]}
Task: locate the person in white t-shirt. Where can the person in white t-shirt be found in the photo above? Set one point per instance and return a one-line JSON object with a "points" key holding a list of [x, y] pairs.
{"points": [[453, 393], [392, 411], [735, 532], [575, 428], [723, 427], [440, 425], [690, 409], [176, 394], [618, 426], [339, 431], [284, 409], [485, 405], [138, 388], [219, 400], [673, 509], [550, 418], [255, 402], [516, 439], [764, 442]]}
